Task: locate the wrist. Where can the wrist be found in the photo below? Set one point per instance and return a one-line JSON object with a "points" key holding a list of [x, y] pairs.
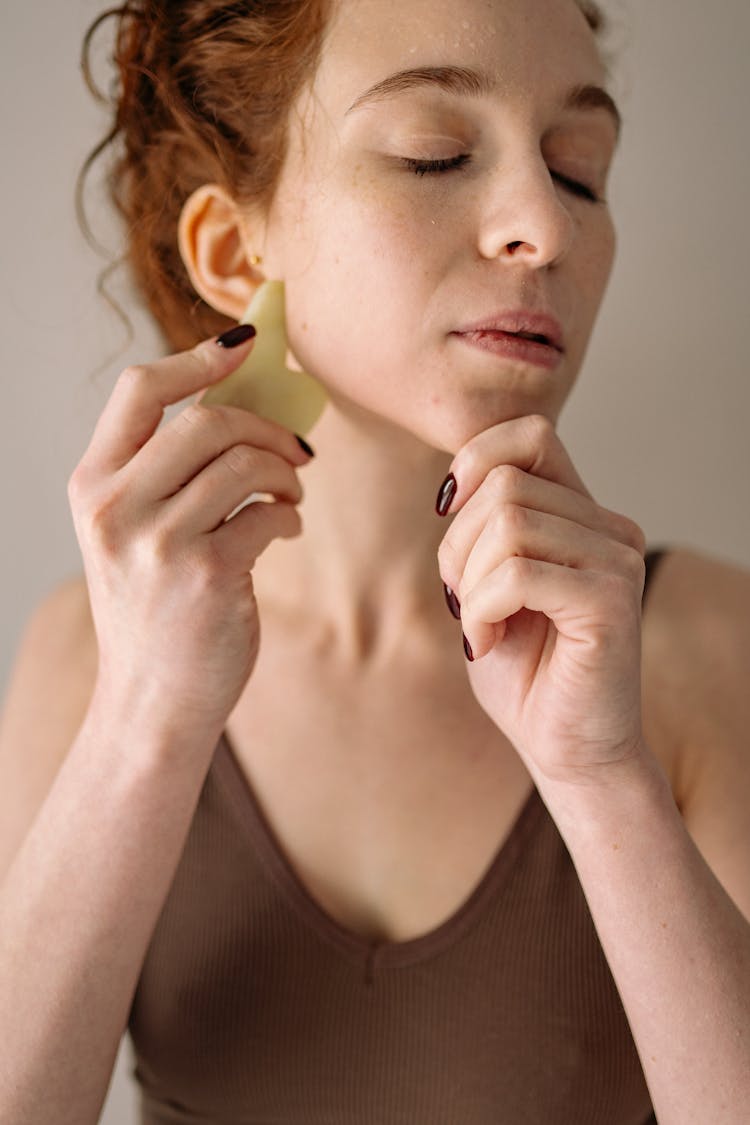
{"points": [[610, 799], [154, 730]]}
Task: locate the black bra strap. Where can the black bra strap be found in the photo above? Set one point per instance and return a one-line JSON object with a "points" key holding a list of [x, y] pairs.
{"points": [[652, 560]]}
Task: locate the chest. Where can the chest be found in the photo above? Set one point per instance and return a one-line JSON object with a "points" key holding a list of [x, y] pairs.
{"points": [[390, 798]]}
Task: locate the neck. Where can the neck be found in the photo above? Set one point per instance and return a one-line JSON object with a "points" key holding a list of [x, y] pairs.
{"points": [[362, 579]]}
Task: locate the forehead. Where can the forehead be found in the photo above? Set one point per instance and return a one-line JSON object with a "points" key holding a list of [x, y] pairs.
{"points": [[523, 45]]}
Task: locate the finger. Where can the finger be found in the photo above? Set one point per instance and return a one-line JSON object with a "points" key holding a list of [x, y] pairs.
{"points": [[578, 602], [530, 443], [187, 445], [209, 499], [136, 406], [241, 540], [509, 485], [514, 531]]}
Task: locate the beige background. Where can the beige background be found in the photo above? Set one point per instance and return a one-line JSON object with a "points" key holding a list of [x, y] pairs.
{"points": [[658, 424]]}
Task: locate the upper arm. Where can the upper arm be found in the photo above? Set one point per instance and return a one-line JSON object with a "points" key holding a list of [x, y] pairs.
{"points": [[711, 633], [46, 700]]}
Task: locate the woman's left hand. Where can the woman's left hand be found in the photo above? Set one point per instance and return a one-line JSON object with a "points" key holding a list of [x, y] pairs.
{"points": [[550, 587]]}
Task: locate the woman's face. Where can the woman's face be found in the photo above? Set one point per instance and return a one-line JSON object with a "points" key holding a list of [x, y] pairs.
{"points": [[388, 254]]}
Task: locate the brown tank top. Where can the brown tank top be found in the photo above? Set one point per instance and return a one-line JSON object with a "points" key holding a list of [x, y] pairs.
{"points": [[255, 1007]]}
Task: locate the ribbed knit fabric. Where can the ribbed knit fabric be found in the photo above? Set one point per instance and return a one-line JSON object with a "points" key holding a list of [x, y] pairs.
{"points": [[255, 1007]]}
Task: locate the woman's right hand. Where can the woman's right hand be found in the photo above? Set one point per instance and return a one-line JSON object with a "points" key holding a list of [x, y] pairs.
{"points": [[168, 574]]}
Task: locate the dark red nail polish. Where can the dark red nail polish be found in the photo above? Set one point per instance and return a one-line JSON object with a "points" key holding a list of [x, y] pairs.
{"points": [[233, 337], [307, 448], [445, 496], [467, 650], [453, 603]]}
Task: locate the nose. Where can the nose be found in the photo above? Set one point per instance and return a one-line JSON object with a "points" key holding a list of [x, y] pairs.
{"points": [[524, 218]]}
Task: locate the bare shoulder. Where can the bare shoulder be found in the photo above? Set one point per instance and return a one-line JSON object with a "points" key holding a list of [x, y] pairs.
{"points": [[47, 696], [699, 607], [699, 648], [59, 636]]}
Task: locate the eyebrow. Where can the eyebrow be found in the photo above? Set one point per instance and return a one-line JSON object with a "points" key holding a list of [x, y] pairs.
{"points": [[475, 83]]}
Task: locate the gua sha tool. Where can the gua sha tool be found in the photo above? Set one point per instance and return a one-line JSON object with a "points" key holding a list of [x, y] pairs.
{"points": [[263, 383]]}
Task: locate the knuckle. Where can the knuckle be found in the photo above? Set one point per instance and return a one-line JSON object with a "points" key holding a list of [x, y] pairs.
{"points": [[635, 564], [296, 489], [540, 430], [518, 569], [156, 548], [207, 566], [625, 529], [469, 465], [505, 481], [510, 525], [134, 378], [511, 518], [635, 536], [466, 600], [447, 559], [283, 518], [242, 460], [197, 418], [194, 417], [79, 483], [617, 590], [281, 512], [103, 521], [264, 523]]}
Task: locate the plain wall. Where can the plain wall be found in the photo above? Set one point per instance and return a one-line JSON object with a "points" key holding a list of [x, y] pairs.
{"points": [[657, 426]]}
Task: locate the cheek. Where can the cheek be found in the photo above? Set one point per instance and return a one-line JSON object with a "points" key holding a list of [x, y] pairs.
{"points": [[595, 262], [355, 274], [359, 215], [607, 246]]}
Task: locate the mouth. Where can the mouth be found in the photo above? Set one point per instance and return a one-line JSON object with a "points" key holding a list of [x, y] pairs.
{"points": [[531, 348], [519, 324], [532, 336]]}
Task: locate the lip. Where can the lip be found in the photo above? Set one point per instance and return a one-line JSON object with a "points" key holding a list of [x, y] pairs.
{"points": [[506, 323], [513, 347]]}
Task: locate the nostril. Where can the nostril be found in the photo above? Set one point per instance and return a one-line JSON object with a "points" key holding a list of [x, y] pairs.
{"points": [[513, 246]]}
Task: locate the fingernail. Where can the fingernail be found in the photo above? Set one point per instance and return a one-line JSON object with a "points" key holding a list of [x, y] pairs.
{"points": [[233, 337], [307, 448], [445, 496], [453, 603], [467, 650]]}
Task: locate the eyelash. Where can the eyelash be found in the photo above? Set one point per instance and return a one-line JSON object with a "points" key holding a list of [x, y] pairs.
{"points": [[425, 167]]}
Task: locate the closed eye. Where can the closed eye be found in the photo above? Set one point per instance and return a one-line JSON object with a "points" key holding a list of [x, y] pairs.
{"points": [[423, 167], [427, 167], [575, 187]]}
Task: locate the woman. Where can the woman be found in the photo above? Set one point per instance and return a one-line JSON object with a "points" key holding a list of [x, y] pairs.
{"points": [[330, 854]]}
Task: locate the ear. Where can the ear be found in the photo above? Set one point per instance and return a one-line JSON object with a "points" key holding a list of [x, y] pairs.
{"points": [[215, 246]]}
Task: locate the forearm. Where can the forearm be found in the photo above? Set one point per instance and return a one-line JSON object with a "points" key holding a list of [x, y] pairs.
{"points": [[678, 947], [77, 909]]}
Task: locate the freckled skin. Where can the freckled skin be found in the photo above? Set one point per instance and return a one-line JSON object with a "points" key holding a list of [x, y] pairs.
{"points": [[386, 264]]}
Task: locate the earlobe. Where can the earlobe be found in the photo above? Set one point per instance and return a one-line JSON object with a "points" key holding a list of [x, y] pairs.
{"points": [[212, 243]]}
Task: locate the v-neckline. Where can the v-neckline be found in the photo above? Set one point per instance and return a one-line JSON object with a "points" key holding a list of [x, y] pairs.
{"points": [[251, 818]]}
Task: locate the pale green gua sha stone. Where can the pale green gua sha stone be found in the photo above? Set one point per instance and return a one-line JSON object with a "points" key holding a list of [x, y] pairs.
{"points": [[263, 383]]}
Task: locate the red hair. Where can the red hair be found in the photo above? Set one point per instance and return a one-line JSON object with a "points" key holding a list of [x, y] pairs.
{"points": [[203, 94]]}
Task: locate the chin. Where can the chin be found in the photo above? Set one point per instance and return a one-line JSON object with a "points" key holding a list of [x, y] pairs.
{"points": [[444, 420], [463, 403], [449, 427]]}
